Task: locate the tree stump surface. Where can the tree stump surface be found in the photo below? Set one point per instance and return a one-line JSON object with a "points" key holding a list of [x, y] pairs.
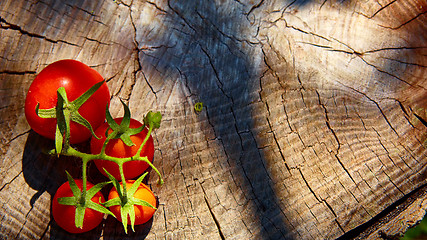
{"points": [[313, 126]]}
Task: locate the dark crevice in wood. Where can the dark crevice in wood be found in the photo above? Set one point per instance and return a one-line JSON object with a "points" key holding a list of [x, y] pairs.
{"points": [[97, 41], [424, 122], [179, 14], [10, 72], [391, 49], [255, 7], [215, 219], [310, 33], [383, 71], [23, 224], [311, 190], [221, 84], [376, 104], [157, 7], [405, 23], [362, 231], [42, 236], [382, 8], [35, 35], [278, 145], [17, 136], [8, 183]]}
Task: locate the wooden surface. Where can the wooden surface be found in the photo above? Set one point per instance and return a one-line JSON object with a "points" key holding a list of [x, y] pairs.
{"points": [[312, 126]]}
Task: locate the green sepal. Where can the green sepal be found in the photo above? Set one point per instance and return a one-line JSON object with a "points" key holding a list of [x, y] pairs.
{"points": [[62, 120], [124, 212], [135, 185], [80, 211], [73, 186], [86, 95], [80, 216], [99, 208], [77, 103], [131, 216], [125, 131], [153, 119], [110, 120], [71, 201], [77, 118], [124, 206], [144, 203], [112, 202], [45, 113], [59, 140], [93, 190], [95, 206], [115, 183], [125, 137], [132, 190], [124, 125]]}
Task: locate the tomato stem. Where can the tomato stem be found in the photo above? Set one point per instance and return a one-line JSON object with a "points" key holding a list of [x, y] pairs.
{"points": [[84, 179], [89, 157], [122, 176], [150, 129]]}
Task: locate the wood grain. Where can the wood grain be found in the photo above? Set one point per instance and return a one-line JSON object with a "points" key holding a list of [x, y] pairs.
{"points": [[312, 126]]}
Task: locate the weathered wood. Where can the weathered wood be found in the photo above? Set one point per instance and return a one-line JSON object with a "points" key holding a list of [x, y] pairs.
{"points": [[312, 126]]}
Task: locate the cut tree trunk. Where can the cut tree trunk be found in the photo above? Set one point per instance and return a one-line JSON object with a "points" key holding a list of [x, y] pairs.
{"points": [[313, 126]]}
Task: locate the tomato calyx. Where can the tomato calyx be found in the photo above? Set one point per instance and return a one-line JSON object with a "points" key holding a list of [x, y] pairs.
{"points": [[122, 131], [82, 199], [66, 111], [126, 200]]}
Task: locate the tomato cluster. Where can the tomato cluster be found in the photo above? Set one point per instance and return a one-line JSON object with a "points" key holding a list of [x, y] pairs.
{"points": [[65, 102]]}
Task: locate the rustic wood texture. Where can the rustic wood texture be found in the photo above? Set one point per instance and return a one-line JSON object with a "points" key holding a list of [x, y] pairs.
{"points": [[312, 126]]}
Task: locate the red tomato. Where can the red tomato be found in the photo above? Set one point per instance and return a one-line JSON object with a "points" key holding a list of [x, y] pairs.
{"points": [[76, 78], [117, 148], [142, 213], [64, 215]]}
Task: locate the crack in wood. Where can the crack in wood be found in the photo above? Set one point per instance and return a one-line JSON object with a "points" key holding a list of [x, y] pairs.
{"points": [[254, 7], [42, 236], [217, 224], [422, 120], [10, 182], [221, 84], [25, 221], [17, 136], [363, 230], [179, 14], [34, 35], [405, 23], [382, 8], [375, 103], [231, 37], [278, 146], [13, 72], [156, 6], [137, 51]]}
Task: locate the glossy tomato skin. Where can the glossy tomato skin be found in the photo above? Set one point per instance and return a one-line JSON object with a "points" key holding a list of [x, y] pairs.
{"points": [[64, 215], [142, 213], [117, 148], [76, 78]]}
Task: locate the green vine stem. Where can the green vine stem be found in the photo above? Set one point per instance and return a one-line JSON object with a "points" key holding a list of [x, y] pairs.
{"points": [[120, 161]]}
